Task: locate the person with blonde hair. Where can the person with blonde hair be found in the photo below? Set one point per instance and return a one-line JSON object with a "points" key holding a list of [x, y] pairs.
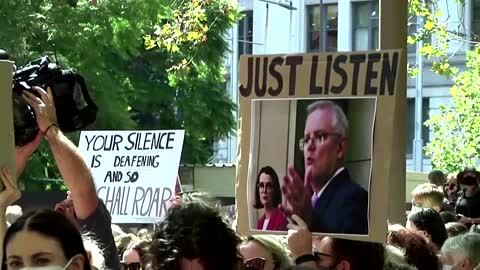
{"points": [[266, 249], [428, 195]]}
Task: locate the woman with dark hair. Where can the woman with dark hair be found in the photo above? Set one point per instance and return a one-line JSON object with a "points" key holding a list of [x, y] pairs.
{"points": [[193, 235], [428, 222], [269, 196], [41, 239], [54, 242], [468, 202]]}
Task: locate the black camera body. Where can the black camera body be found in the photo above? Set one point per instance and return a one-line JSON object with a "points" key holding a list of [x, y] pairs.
{"points": [[75, 109]]}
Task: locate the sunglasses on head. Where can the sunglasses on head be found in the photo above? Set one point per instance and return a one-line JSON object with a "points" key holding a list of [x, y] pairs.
{"points": [[256, 263], [131, 266]]}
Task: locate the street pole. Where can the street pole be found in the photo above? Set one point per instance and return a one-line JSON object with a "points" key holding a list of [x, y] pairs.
{"points": [[418, 141]]}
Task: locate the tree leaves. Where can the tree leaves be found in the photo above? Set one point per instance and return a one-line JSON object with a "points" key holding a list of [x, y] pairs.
{"points": [[149, 64], [457, 129]]}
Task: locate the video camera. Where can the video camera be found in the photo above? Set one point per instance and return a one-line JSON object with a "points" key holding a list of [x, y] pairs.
{"points": [[75, 109]]}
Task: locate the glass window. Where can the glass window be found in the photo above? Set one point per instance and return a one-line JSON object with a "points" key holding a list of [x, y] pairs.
{"points": [[314, 26], [411, 123], [476, 20], [332, 28], [245, 34], [322, 28], [365, 25]]}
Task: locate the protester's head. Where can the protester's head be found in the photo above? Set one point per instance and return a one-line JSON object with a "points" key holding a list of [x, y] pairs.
{"points": [[266, 248], [455, 228], [325, 139], [44, 238], [427, 196], [193, 236], [448, 216], [451, 186], [418, 252], [428, 222], [267, 189], [437, 177], [469, 177], [462, 251], [334, 253], [133, 255]]}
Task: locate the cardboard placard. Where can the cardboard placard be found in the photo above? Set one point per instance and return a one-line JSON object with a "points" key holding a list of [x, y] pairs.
{"points": [[331, 117], [7, 136], [135, 172]]}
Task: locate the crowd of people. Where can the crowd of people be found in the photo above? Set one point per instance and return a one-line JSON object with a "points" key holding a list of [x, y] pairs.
{"points": [[441, 231]]}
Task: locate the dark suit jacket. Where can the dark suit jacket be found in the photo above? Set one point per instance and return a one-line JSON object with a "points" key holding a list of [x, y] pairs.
{"points": [[342, 207]]}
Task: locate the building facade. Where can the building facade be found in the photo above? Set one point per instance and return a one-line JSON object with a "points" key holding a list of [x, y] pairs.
{"points": [[283, 26]]}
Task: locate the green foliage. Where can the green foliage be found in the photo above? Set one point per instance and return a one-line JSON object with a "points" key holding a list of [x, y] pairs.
{"points": [[456, 130], [434, 34], [176, 86]]}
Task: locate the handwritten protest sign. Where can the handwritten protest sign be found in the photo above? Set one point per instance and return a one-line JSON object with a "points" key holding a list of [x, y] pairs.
{"points": [[135, 172], [346, 102]]}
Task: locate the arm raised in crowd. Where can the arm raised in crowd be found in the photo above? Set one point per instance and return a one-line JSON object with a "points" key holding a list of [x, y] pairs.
{"points": [[71, 165], [23, 153]]}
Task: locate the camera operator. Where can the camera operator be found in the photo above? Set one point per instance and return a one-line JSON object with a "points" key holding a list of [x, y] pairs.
{"points": [[83, 204]]}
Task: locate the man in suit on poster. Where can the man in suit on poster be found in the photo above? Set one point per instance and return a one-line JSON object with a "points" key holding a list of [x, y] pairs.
{"points": [[327, 198]]}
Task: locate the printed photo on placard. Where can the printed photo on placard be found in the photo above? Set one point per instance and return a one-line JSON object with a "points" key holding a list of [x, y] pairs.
{"points": [[311, 158]]}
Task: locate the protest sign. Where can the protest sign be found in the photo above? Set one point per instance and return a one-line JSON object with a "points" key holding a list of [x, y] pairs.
{"points": [[7, 137], [135, 172], [328, 119]]}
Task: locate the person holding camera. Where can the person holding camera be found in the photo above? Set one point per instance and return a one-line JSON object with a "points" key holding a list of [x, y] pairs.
{"points": [[82, 204]]}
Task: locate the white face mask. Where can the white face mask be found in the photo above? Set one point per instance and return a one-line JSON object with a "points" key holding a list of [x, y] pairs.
{"points": [[416, 209], [447, 267], [50, 267]]}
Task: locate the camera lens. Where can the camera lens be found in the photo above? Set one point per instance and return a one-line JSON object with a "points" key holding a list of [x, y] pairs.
{"points": [[25, 124]]}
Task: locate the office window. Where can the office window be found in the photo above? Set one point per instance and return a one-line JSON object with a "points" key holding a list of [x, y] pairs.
{"points": [[365, 25], [476, 20], [322, 28], [411, 123], [412, 29], [245, 34]]}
